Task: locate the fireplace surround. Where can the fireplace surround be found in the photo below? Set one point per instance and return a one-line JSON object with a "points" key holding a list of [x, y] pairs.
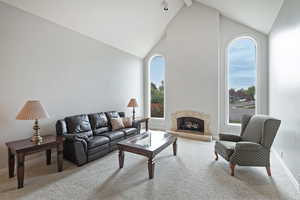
{"points": [[191, 124]]}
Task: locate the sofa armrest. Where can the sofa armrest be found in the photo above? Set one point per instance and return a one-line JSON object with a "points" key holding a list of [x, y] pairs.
{"points": [[61, 127], [229, 137], [78, 137], [75, 136], [248, 146], [137, 123]]}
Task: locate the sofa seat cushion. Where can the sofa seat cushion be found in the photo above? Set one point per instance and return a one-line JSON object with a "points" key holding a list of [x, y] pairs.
{"points": [[98, 149], [97, 141], [225, 148], [129, 131], [113, 135], [98, 154], [99, 131]]}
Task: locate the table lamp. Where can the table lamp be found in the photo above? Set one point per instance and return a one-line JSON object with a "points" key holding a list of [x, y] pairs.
{"points": [[33, 110], [132, 104]]}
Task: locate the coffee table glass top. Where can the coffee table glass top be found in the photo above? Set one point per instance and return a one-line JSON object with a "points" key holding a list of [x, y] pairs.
{"points": [[148, 140]]}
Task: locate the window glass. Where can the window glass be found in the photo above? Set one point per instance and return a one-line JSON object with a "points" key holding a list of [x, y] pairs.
{"points": [[241, 79], [157, 77]]}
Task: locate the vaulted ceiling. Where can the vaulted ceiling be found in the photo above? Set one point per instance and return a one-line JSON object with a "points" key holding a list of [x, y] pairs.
{"points": [[258, 14], [135, 26]]}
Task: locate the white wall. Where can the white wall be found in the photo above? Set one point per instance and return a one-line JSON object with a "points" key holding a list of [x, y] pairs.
{"points": [[193, 45], [231, 30], [284, 81], [69, 73], [190, 47]]}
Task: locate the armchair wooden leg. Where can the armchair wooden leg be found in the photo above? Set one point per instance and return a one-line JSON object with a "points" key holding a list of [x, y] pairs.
{"points": [[232, 166], [217, 157], [269, 171]]}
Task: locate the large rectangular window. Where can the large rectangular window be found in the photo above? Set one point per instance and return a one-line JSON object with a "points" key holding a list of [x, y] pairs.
{"points": [[157, 77], [241, 79]]}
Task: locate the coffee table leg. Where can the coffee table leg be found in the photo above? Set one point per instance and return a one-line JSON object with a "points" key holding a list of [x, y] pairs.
{"points": [[121, 158], [59, 157], [20, 172], [11, 163], [151, 165], [48, 156], [175, 147]]}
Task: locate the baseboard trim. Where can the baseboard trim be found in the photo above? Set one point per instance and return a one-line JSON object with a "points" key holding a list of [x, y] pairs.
{"points": [[287, 171]]}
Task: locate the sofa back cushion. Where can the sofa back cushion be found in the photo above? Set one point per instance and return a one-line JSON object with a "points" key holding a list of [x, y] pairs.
{"points": [[98, 120], [79, 124], [112, 115]]}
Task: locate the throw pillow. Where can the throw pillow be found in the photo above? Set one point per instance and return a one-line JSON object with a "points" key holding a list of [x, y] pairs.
{"points": [[127, 121], [116, 123]]}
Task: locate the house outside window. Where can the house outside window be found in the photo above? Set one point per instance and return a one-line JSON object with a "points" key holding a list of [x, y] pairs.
{"points": [[241, 79]]}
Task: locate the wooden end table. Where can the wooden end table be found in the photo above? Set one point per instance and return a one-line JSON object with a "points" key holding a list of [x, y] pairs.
{"points": [[21, 148], [143, 120]]}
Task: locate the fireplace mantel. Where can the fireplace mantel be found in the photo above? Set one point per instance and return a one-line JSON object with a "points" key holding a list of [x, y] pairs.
{"points": [[205, 136]]}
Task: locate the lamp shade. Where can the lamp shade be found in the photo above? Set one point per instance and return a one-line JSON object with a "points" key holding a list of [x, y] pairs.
{"points": [[132, 103], [32, 110]]}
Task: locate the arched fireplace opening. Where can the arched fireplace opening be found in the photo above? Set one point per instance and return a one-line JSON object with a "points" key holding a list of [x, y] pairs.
{"points": [[190, 124]]}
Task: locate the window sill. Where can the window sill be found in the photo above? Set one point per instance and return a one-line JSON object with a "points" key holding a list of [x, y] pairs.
{"points": [[233, 125], [156, 118]]}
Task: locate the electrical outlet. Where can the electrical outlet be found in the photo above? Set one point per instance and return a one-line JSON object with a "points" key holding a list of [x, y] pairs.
{"points": [[281, 154]]}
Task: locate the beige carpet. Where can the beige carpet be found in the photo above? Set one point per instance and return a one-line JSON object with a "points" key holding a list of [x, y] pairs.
{"points": [[193, 174]]}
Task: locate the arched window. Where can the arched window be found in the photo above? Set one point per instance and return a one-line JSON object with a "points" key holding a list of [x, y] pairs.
{"points": [[157, 88], [241, 79]]}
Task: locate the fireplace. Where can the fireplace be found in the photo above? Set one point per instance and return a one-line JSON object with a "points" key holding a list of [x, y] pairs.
{"points": [[190, 124]]}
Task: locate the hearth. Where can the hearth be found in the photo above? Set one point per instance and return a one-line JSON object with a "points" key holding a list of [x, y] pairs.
{"points": [[190, 124]]}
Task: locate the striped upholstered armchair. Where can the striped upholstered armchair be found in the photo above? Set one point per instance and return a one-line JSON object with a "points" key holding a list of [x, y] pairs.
{"points": [[252, 147]]}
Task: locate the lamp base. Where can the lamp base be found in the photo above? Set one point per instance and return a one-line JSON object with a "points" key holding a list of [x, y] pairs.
{"points": [[36, 139]]}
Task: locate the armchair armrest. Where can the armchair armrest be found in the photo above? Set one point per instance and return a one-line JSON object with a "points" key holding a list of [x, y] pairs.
{"points": [[229, 137], [248, 146]]}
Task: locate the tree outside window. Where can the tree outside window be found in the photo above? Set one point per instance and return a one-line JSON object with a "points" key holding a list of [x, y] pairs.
{"points": [[157, 76]]}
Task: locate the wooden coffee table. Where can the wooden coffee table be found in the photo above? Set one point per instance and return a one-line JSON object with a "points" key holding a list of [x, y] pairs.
{"points": [[147, 144]]}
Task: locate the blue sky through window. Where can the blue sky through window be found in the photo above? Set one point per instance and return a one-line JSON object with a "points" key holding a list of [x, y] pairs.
{"points": [[242, 64], [157, 70]]}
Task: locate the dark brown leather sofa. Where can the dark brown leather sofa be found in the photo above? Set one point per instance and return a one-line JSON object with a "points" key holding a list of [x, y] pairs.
{"points": [[90, 136]]}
